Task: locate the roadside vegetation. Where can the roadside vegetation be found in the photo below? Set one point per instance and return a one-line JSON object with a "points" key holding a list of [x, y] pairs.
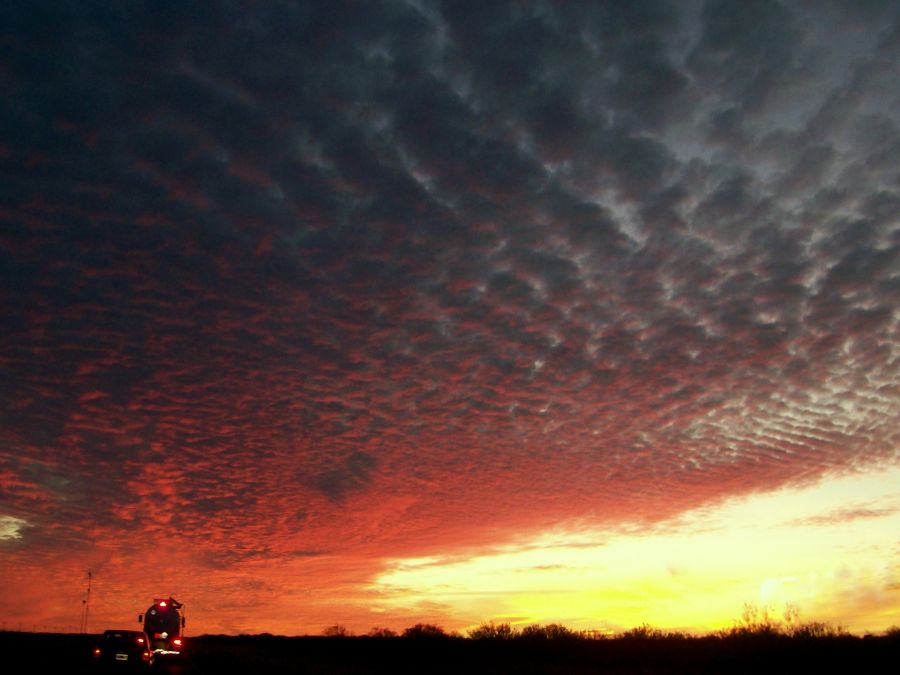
{"points": [[760, 642], [755, 621]]}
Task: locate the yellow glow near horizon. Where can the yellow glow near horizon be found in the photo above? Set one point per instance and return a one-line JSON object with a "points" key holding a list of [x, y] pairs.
{"points": [[830, 549]]}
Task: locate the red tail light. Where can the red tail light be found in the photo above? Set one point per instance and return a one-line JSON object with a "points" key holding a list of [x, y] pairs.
{"points": [[97, 651], [145, 656], [176, 642], [140, 640]]}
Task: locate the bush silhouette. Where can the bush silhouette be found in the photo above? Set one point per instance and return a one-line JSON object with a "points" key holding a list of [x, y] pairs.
{"points": [[492, 631], [647, 632], [425, 630], [380, 632], [337, 630], [552, 631], [817, 629], [761, 622]]}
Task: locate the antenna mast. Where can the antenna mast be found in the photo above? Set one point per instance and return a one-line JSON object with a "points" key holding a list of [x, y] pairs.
{"points": [[87, 605]]}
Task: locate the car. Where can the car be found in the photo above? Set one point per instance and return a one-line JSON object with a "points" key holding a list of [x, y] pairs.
{"points": [[127, 650]]}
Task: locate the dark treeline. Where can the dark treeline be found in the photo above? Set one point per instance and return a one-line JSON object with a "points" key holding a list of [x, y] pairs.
{"points": [[495, 649]]}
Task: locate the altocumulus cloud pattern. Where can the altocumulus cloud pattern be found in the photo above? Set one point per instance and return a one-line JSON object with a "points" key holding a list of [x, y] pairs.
{"points": [[369, 278]]}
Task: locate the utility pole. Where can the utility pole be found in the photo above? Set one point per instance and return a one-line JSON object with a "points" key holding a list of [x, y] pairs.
{"points": [[86, 605]]}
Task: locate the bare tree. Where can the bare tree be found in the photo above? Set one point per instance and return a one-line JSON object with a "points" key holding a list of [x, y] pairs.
{"points": [[493, 631], [337, 630]]}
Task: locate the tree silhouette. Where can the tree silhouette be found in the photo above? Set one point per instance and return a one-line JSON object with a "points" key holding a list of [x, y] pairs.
{"points": [[492, 631], [552, 631], [337, 630], [380, 632], [425, 630]]}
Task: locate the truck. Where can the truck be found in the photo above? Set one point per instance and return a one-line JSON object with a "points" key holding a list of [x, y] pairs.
{"points": [[164, 624]]}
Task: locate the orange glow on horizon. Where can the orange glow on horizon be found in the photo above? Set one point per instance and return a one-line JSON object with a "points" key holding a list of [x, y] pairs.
{"points": [[819, 548], [828, 549]]}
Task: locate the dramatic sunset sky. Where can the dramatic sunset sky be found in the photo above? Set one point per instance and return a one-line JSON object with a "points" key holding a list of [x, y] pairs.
{"points": [[378, 313]]}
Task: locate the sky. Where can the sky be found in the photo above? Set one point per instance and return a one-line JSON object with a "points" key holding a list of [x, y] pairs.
{"points": [[380, 313]]}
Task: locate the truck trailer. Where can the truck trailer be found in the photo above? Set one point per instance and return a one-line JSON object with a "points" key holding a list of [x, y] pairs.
{"points": [[164, 624]]}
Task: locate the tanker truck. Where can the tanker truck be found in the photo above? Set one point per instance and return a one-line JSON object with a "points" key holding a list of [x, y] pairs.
{"points": [[164, 625]]}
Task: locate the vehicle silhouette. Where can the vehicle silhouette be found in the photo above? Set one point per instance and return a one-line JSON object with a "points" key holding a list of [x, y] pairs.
{"points": [[164, 624], [123, 650]]}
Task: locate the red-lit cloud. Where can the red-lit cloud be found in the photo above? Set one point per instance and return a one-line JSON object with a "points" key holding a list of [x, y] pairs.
{"points": [[287, 292]]}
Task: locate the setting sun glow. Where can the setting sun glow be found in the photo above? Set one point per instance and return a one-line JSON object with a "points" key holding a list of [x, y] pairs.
{"points": [[792, 548]]}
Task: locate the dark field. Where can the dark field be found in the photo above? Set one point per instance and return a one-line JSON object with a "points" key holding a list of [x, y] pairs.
{"points": [[218, 655]]}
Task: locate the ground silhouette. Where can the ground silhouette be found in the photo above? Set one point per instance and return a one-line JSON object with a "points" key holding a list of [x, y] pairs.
{"points": [[494, 649]]}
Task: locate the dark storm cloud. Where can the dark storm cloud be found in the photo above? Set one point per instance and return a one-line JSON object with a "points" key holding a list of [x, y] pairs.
{"points": [[393, 268]]}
